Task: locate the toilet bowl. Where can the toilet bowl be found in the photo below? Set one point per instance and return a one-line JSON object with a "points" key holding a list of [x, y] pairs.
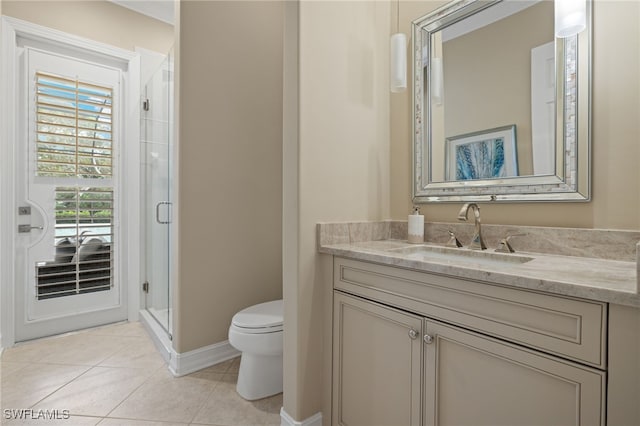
{"points": [[257, 332]]}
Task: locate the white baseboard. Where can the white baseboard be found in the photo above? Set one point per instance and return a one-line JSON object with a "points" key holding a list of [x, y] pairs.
{"points": [[287, 420], [197, 359], [181, 364]]}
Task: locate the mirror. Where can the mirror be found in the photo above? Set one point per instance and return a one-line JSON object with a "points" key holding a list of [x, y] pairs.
{"points": [[501, 106]]}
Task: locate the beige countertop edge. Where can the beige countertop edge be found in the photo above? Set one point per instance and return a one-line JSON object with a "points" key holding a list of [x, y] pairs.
{"points": [[586, 278]]}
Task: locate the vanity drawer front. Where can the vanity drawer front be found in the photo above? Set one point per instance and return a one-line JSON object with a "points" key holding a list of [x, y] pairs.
{"points": [[564, 326]]}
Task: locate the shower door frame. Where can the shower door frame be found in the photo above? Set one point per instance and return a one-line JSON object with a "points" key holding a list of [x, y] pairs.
{"points": [[147, 216]]}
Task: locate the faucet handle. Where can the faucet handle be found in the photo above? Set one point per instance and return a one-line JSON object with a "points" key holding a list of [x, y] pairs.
{"points": [[453, 240], [505, 247]]}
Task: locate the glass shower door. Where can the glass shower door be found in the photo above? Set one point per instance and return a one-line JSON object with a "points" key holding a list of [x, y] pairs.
{"points": [[157, 125]]}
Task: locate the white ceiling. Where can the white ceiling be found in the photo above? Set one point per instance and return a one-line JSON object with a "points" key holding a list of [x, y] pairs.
{"points": [[163, 10]]}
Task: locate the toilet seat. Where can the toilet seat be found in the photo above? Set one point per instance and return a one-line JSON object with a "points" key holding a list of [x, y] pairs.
{"points": [[259, 319]]}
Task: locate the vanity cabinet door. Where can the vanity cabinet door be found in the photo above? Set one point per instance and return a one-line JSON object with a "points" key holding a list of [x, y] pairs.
{"points": [[471, 379], [376, 364]]}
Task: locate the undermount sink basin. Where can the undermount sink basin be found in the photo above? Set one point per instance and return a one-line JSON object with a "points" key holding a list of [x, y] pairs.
{"points": [[445, 254]]}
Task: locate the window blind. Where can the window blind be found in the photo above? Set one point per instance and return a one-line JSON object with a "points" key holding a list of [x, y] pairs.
{"points": [[74, 135], [84, 244]]}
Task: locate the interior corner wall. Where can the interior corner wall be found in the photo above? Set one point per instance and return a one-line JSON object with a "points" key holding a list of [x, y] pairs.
{"points": [[343, 166], [98, 20], [615, 134], [230, 164]]}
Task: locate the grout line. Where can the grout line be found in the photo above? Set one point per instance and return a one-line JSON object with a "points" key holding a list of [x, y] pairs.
{"points": [[204, 401], [65, 384], [223, 375], [135, 390], [215, 386], [142, 420]]}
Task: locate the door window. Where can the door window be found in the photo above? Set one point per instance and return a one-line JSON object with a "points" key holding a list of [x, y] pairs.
{"points": [[74, 143]]}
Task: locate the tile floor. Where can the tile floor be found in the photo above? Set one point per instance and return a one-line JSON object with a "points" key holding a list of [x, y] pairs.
{"points": [[113, 376]]}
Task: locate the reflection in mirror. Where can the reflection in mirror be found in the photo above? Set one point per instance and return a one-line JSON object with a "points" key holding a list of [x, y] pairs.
{"points": [[494, 51], [495, 104]]}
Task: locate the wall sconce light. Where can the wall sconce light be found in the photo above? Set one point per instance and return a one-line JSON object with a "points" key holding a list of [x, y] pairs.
{"points": [[571, 17], [398, 58]]}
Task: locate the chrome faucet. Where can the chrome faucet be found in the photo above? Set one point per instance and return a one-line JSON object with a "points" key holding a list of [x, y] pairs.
{"points": [[477, 243]]}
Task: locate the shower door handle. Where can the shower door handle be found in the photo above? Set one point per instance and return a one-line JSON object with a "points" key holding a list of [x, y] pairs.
{"points": [[162, 222]]}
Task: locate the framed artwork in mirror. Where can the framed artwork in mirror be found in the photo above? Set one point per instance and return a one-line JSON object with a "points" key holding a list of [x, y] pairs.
{"points": [[487, 154]]}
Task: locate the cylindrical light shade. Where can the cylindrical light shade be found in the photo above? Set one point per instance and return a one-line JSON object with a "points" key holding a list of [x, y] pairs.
{"points": [[437, 84], [398, 60], [571, 17]]}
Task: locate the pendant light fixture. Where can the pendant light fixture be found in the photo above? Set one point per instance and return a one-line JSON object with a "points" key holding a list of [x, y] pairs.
{"points": [[398, 58], [437, 84], [570, 17]]}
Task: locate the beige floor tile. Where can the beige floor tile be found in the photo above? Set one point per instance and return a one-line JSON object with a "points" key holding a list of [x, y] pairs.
{"points": [[211, 376], [129, 422], [32, 351], [128, 329], [96, 392], [235, 366], [166, 398], [139, 353], [271, 408], [85, 349], [29, 385], [225, 407], [118, 366], [9, 368], [71, 421], [227, 366]]}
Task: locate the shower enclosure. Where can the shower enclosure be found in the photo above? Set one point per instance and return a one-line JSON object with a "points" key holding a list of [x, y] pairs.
{"points": [[157, 192]]}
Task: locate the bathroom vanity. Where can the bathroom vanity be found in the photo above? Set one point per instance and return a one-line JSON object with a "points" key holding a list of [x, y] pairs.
{"points": [[437, 335], [424, 334]]}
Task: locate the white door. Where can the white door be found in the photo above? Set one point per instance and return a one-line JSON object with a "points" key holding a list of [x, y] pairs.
{"points": [[543, 108], [67, 189]]}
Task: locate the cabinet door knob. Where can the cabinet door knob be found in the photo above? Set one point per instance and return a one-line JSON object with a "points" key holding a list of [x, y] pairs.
{"points": [[413, 334], [427, 339]]}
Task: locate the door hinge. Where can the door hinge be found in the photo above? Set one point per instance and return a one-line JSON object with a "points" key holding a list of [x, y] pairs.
{"points": [[145, 286], [145, 105]]}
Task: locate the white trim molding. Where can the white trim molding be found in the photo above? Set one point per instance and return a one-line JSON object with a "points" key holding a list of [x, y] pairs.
{"points": [[185, 363], [7, 187], [181, 364], [287, 420]]}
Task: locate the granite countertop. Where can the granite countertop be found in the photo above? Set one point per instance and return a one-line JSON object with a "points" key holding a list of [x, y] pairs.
{"points": [[605, 280]]}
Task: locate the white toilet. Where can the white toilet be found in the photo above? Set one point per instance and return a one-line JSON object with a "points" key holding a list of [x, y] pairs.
{"points": [[257, 332]]}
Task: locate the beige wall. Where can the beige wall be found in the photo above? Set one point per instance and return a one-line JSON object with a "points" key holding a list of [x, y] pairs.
{"points": [[343, 173], [616, 130], [230, 165], [97, 20]]}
